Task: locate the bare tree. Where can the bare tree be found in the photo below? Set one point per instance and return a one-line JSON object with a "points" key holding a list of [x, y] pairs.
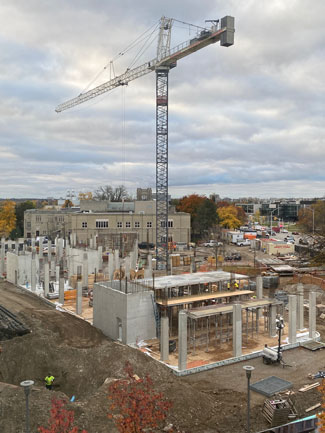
{"points": [[112, 194]]}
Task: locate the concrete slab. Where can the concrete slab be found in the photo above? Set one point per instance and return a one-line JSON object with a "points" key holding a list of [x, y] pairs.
{"points": [[270, 386]]}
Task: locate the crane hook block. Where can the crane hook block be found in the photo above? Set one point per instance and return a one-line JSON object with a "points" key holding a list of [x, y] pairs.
{"points": [[227, 37]]}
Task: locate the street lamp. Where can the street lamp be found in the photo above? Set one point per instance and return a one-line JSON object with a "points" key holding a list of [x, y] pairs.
{"points": [[27, 384], [248, 369], [271, 218]]}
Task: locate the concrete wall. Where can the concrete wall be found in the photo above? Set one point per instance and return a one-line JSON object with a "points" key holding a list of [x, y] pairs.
{"points": [[134, 311], [76, 259], [23, 266]]}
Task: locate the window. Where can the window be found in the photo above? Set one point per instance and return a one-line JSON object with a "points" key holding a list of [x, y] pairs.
{"points": [[127, 225], [101, 224], [84, 225], [119, 224], [170, 223], [149, 224], [137, 224], [38, 219]]}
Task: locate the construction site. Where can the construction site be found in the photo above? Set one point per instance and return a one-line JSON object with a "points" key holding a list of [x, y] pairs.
{"points": [[79, 308]]}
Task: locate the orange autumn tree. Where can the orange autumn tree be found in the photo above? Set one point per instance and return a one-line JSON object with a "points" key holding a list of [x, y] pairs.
{"points": [[7, 217], [135, 406], [321, 415]]}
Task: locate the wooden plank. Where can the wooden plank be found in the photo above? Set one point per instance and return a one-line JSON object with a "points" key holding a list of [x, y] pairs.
{"points": [[308, 387], [313, 407], [180, 300]]}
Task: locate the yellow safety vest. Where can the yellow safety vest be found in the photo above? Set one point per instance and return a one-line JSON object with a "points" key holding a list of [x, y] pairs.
{"points": [[49, 380]]}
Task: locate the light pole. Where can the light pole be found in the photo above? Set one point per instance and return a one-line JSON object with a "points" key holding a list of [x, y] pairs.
{"points": [[271, 219], [27, 384], [248, 369], [313, 211]]}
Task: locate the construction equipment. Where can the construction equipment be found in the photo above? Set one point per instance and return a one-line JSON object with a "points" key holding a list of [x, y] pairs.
{"points": [[166, 59]]}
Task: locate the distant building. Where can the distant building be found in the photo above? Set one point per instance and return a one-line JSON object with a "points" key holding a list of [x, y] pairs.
{"points": [[107, 221]]}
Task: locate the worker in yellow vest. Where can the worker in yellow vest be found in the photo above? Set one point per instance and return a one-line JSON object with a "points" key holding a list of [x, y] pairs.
{"points": [[49, 381], [236, 285]]}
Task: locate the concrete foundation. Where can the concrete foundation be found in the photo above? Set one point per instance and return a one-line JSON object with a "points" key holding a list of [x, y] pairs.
{"points": [[85, 271], [272, 321], [182, 340], [292, 318]]}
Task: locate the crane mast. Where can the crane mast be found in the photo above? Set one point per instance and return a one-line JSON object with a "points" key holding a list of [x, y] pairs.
{"points": [[166, 59]]}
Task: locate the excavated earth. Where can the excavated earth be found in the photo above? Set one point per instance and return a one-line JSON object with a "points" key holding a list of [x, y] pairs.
{"points": [[81, 358]]}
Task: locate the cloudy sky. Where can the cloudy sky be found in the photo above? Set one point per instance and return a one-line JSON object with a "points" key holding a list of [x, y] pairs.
{"points": [[247, 120]]}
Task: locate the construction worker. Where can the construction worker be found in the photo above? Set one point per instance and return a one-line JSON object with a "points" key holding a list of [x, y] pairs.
{"points": [[228, 285], [236, 285], [49, 381]]}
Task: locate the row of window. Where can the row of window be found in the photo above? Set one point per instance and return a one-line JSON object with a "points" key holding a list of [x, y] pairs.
{"points": [[102, 224]]}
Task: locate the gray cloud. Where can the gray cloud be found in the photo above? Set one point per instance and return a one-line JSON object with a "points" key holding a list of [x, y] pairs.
{"points": [[244, 120]]}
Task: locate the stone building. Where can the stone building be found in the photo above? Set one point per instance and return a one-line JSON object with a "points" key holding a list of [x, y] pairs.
{"points": [[106, 220]]}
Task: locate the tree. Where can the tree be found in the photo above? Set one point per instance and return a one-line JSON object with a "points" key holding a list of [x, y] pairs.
{"points": [[321, 415], [228, 217], [61, 420], [85, 195], [206, 217], [112, 194], [19, 211], [67, 203], [7, 218], [135, 406]]}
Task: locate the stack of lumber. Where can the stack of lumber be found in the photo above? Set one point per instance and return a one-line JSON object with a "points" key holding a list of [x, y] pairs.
{"points": [[91, 279], [187, 260], [308, 387], [276, 411], [176, 260]]}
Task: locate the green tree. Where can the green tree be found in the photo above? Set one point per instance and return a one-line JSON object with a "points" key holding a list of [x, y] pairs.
{"points": [[206, 218], [18, 232]]}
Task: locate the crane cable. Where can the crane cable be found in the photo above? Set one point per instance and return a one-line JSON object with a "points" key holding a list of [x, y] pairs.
{"points": [[137, 41]]}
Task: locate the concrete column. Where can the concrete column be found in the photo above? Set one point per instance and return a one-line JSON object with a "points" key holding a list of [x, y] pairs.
{"points": [[2, 256], [67, 249], [272, 320], [33, 275], [100, 258], [127, 267], [61, 290], [133, 262], [57, 273], [237, 330], [292, 318], [17, 247], [53, 268], [300, 307], [110, 266], [79, 298], [91, 243], [171, 265], [135, 249], [312, 314], [95, 239], [33, 243], [150, 264], [60, 248], [117, 259], [40, 249], [85, 270], [46, 278], [164, 339], [182, 340], [259, 293]]}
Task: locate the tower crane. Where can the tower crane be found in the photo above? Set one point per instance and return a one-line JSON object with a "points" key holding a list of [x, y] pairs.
{"points": [[221, 30]]}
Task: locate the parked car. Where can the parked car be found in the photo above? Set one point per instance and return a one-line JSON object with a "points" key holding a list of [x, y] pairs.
{"points": [[303, 241], [289, 238], [296, 233], [284, 231], [212, 243], [234, 256], [146, 245]]}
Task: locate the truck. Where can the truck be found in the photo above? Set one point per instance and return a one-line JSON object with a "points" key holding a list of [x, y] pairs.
{"points": [[236, 236], [243, 243]]}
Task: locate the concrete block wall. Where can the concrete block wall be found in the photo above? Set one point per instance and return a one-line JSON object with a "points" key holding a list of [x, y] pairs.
{"points": [[133, 311]]}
